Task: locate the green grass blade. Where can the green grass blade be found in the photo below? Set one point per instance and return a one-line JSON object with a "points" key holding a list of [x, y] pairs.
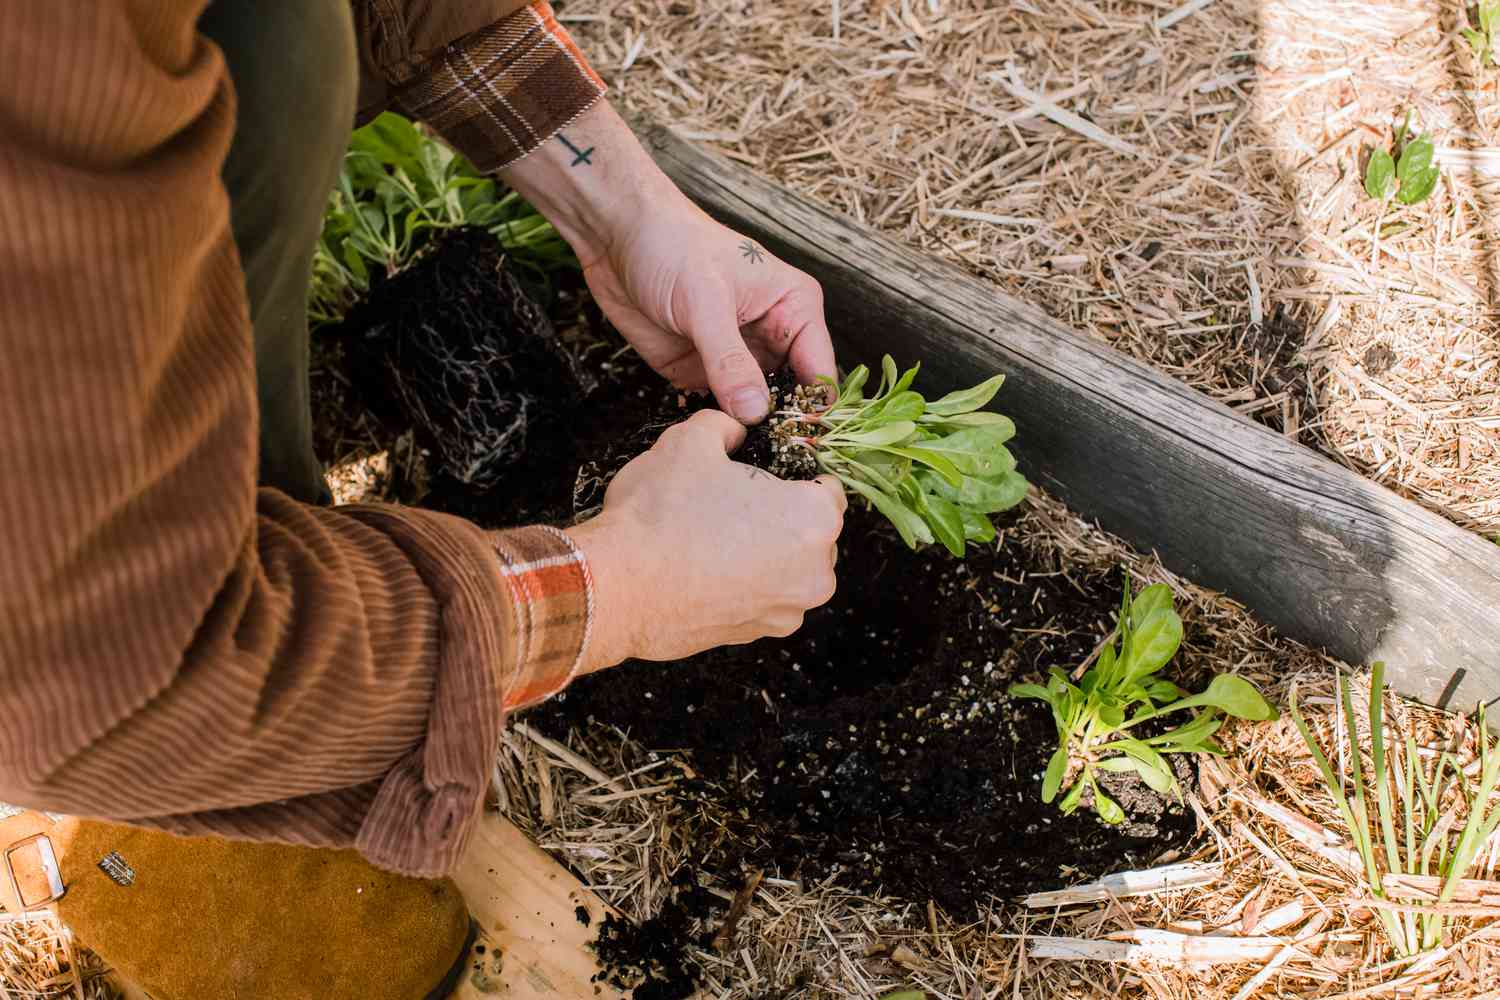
{"points": [[1479, 824], [1412, 801], [1352, 810], [1383, 804]]}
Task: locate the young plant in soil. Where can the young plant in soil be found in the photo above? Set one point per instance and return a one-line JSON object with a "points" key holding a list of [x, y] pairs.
{"points": [[1414, 817], [397, 190], [1410, 175], [936, 469], [1120, 691], [1481, 38]]}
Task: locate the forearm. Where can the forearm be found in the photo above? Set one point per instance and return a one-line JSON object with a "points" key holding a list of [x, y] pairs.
{"points": [[593, 181]]}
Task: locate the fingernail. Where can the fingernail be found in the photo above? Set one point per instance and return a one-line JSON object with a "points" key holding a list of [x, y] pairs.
{"points": [[749, 405]]}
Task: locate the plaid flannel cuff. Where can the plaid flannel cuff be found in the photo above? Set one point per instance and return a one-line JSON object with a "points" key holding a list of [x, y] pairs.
{"points": [[500, 92], [553, 597]]}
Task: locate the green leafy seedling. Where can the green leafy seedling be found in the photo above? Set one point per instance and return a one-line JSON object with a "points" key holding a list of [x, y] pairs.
{"points": [[1416, 173], [396, 188], [1121, 690], [936, 469], [1482, 39], [1410, 176]]}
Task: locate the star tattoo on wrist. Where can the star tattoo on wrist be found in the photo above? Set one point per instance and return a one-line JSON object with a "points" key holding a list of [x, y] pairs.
{"points": [[751, 252]]}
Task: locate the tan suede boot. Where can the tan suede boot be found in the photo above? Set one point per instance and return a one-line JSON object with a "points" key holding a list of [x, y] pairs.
{"points": [[208, 919]]}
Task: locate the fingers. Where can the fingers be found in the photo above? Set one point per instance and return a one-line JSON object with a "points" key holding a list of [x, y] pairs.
{"points": [[796, 330], [720, 426], [811, 350], [834, 490], [733, 373]]}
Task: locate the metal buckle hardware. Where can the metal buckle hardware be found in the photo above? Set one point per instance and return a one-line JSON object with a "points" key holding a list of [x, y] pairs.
{"points": [[49, 867]]}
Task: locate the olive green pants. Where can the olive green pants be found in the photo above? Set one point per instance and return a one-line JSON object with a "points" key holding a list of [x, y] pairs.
{"points": [[295, 78]]}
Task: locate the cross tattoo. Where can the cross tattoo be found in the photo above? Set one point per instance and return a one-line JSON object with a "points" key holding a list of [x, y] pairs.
{"points": [[579, 155], [751, 252]]}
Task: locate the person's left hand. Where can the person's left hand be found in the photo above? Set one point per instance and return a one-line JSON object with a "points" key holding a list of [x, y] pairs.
{"points": [[709, 308]]}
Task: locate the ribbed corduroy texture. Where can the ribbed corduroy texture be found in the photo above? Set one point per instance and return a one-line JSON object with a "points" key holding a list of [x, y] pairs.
{"points": [[178, 647]]}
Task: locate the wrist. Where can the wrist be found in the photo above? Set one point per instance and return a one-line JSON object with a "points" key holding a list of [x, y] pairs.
{"points": [[612, 638], [593, 181]]}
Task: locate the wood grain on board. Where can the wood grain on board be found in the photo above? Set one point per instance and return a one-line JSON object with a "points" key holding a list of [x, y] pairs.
{"points": [[1323, 554], [527, 905], [534, 945]]}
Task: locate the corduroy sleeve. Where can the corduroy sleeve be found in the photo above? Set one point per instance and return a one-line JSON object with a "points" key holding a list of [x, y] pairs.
{"points": [[495, 92], [178, 647]]}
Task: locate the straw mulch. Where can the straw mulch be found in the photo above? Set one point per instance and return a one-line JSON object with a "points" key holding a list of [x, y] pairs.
{"points": [[611, 810], [1194, 197], [39, 960]]}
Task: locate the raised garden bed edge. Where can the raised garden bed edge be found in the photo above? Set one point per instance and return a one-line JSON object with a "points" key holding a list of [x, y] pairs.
{"points": [[1323, 554]]}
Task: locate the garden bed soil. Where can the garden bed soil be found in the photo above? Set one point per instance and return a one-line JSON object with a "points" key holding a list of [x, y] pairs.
{"points": [[493, 371], [878, 743]]}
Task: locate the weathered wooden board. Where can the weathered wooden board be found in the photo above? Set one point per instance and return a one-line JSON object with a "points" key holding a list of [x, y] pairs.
{"points": [[534, 945], [1321, 553], [536, 948]]}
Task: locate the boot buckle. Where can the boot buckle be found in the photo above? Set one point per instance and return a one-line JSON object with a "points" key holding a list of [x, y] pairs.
{"points": [[47, 860]]}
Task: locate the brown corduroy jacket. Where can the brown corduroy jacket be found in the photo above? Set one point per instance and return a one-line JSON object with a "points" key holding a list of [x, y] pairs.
{"points": [[179, 647]]}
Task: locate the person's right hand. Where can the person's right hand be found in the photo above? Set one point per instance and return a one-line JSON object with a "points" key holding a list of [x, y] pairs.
{"points": [[693, 550]]}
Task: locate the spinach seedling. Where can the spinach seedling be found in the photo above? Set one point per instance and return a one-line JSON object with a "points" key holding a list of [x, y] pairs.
{"points": [[936, 469], [1482, 40], [1120, 691], [1409, 176]]}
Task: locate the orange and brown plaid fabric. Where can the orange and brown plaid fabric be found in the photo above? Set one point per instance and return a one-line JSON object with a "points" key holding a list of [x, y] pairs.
{"points": [[500, 92], [553, 593]]}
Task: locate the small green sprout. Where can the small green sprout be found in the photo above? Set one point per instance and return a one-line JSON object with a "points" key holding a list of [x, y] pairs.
{"points": [[1410, 176], [1120, 691], [1482, 41], [1414, 827], [936, 469]]}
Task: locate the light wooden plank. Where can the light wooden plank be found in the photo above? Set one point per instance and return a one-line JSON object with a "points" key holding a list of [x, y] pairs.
{"points": [[1323, 554], [1157, 946], [536, 948]]}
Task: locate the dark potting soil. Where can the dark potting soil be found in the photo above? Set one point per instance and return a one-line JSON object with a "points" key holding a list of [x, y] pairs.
{"points": [[758, 448], [650, 959], [462, 348], [879, 743]]}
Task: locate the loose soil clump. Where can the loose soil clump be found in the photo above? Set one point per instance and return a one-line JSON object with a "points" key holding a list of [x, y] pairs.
{"points": [[495, 376], [650, 960]]}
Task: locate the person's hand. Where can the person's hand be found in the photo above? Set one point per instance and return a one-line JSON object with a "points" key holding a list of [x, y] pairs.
{"points": [[704, 306], [693, 550], [709, 308]]}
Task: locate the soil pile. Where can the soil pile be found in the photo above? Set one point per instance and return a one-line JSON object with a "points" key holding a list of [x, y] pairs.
{"points": [[879, 742]]}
